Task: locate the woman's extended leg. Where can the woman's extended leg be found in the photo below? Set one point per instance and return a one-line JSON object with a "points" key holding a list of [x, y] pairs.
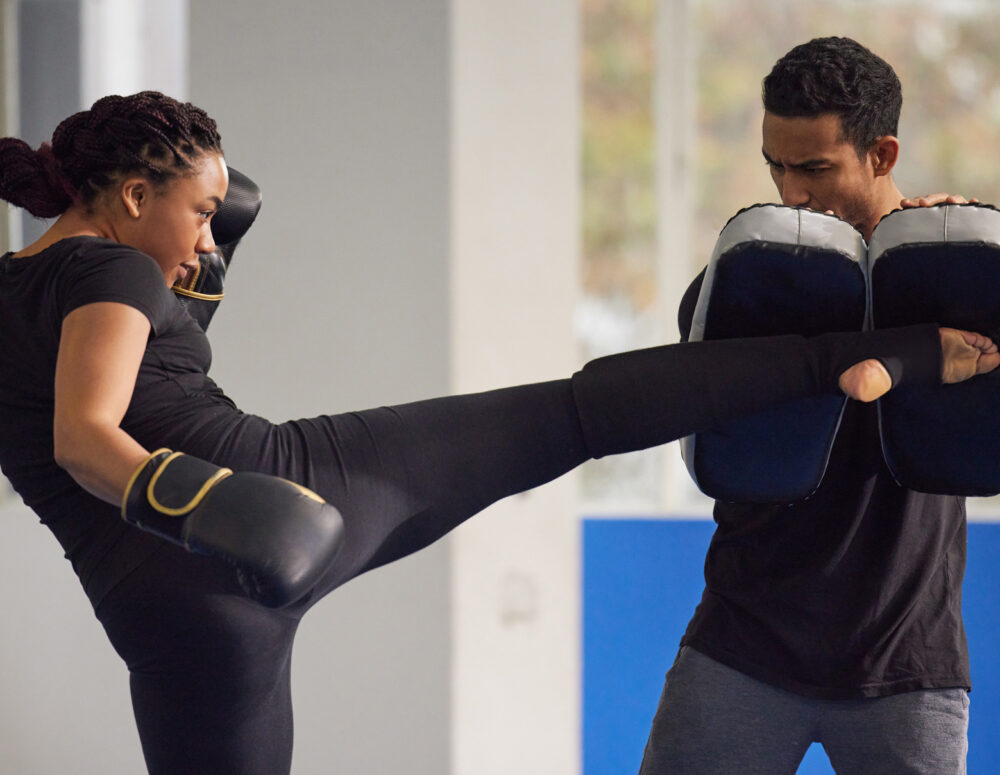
{"points": [[404, 476]]}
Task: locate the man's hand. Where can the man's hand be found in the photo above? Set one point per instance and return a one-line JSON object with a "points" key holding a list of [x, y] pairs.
{"points": [[937, 199], [964, 354]]}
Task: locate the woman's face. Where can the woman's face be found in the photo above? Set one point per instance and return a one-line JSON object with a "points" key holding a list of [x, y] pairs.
{"points": [[173, 224]]}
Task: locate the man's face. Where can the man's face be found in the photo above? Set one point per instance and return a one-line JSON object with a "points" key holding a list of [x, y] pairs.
{"points": [[814, 166]]}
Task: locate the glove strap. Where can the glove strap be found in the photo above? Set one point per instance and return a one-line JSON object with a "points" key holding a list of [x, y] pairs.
{"points": [[187, 286], [181, 475], [167, 486], [142, 475]]}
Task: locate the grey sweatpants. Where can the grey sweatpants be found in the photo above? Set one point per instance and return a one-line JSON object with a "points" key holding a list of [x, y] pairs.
{"points": [[713, 720]]}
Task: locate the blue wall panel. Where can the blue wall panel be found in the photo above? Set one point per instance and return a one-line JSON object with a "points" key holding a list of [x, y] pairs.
{"points": [[641, 582]]}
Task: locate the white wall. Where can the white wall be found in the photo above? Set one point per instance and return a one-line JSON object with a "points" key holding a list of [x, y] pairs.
{"points": [[339, 300], [8, 104], [132, 45], [64, 699], [515, 226]]}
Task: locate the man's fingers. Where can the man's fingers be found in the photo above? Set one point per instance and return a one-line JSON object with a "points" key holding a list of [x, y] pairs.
{"points": [[935, 199]]}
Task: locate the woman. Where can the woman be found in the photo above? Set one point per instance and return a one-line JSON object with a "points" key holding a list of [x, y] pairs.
{"points": [[101, 367]]}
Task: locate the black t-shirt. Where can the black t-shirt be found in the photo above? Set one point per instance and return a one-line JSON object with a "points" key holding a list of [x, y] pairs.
{"points": [[853, 592], [36, 293]]}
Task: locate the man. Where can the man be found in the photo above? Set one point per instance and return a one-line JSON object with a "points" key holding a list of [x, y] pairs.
{"points": [[836, 619]]}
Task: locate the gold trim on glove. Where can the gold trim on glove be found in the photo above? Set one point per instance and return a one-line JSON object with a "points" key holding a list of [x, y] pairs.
{"points": [[135, 475], [209, 483], [196, 295]]}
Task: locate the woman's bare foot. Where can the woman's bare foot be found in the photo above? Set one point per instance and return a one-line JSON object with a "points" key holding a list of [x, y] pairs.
{"points": [[865, 381], [964, 354]]}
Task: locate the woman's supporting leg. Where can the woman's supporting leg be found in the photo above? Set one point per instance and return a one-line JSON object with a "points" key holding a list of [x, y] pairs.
{"points": [[209, 669]]}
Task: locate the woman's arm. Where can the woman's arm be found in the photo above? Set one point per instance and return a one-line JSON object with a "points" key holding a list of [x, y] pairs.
{"points": [[100, 349], [282, 537]]}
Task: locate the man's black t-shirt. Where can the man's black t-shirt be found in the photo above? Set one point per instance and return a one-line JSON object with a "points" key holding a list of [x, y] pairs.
{"points": [[853, 592]]}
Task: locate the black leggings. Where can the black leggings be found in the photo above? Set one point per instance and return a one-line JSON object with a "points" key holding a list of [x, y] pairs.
{"points": [[210, 669]]}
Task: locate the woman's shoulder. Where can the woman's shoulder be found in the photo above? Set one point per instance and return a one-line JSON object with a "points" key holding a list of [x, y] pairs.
{"points": [[93, 269], [71, 255], [96, 249], [78, 258]]}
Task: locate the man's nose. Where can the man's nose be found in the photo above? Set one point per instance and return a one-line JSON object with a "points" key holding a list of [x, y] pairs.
{"points": [[793, 190]]}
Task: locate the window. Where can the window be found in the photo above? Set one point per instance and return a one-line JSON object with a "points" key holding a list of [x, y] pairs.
{"points": [[645, 239], [619, 272]]}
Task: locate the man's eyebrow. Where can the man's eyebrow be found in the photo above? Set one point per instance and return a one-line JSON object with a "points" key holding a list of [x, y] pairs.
{"points": [[807, 164], [216, 200]]}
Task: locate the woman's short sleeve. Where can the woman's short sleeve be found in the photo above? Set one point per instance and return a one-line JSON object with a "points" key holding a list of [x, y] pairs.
{"points": [[113, 272]]}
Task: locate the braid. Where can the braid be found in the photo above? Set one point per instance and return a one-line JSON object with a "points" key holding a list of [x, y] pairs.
{"points": [[146, 133], [31, 179]]}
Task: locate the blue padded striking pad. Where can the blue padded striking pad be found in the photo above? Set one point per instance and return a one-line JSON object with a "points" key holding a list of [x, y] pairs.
{"points": [[776, 270], [940, 265]]}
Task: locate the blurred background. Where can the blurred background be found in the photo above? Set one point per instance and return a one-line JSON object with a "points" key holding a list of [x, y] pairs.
{"points": [[460, 195]]}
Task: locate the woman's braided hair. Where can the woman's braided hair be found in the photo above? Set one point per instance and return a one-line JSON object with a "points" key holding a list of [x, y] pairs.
{"points": [[147, 133]]}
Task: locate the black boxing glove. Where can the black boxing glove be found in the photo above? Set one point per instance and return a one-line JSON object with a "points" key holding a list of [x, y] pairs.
{"points": [[281, 537], [202, 290]]}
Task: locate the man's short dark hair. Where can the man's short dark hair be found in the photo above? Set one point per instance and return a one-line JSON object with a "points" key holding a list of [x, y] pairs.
{"points": [[838, 76]]}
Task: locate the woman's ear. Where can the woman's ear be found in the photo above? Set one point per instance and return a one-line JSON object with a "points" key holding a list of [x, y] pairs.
{"points": [[134, 192], [883, 155]]}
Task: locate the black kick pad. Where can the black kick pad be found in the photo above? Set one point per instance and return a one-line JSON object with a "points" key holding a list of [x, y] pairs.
{"points": [[776, 270], [940, 265]]}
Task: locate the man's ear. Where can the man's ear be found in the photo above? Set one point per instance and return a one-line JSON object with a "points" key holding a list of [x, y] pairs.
{"points": [[134, 192], [883, 155]]}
